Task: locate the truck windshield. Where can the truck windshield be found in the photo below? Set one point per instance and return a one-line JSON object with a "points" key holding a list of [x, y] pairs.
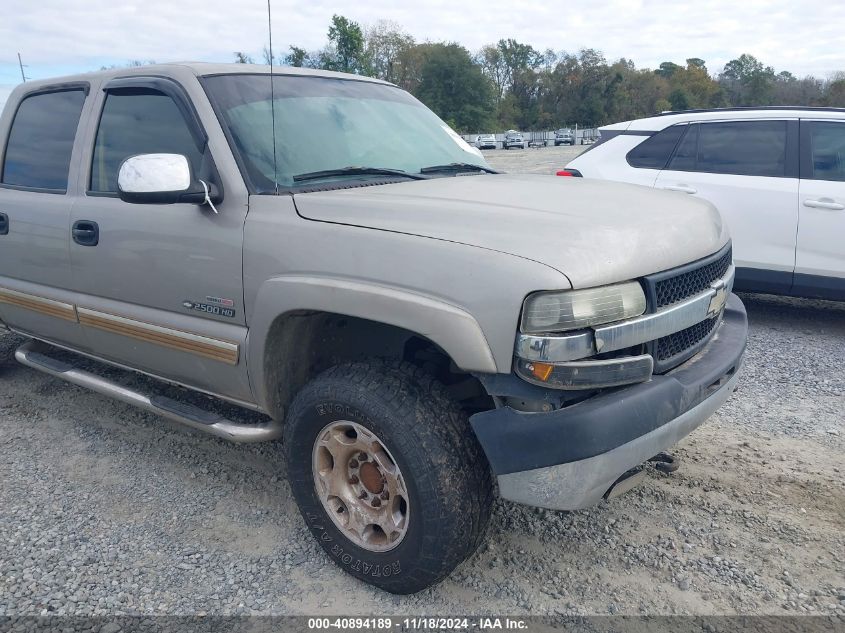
{"points": [[324, 124]]}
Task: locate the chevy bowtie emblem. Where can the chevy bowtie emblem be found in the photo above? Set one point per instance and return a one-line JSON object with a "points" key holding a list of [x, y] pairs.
{"points": [[718, 301]]}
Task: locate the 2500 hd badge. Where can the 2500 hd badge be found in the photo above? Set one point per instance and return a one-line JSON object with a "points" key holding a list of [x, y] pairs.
{"points": [[212, 307]]}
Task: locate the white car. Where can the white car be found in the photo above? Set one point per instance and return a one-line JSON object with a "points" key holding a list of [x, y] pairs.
{"points": [[485, 141], [776, 174]]}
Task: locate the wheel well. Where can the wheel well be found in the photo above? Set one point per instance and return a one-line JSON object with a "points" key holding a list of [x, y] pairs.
{"points": [[304, 343]]}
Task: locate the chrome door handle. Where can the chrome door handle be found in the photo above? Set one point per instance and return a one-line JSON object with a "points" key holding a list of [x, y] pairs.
{"points": [[681, 188], [824, 203]]}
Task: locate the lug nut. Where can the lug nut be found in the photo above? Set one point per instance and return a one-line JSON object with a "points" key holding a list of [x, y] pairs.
{"points": [[363, 495], [376, 502], [353, 480], [363, 457], [353, 463]]}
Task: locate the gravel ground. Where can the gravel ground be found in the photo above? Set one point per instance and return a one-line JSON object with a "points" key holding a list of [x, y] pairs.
{"points": [[105, 509], [534, 160]]}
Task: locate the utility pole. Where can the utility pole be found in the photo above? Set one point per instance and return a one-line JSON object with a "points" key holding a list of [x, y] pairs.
{"points": [[20, 63]]}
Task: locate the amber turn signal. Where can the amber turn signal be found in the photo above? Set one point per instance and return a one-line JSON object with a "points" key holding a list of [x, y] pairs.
{"points": [[541, 371]]}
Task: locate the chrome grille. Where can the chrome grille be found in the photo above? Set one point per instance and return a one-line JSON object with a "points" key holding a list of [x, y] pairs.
{"points": [[674, 288]]}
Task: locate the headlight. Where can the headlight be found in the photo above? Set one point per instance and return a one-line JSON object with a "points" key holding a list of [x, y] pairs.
{"points": [[559, 311]]}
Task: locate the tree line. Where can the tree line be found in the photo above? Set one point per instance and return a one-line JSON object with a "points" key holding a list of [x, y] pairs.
{"points": [[511, 84]]}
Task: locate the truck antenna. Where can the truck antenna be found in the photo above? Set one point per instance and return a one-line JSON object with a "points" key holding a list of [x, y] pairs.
{"points": [[272, 102], [20, 63]]}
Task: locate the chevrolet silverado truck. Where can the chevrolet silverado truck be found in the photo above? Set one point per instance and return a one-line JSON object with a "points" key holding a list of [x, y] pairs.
{"points": [[321, 248]]}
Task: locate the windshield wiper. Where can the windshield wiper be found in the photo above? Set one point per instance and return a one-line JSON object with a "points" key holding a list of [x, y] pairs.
{"points": [[456, 167], [355, 171]]}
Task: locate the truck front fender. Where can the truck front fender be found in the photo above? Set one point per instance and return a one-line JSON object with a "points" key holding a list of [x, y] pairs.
{"points": [[448, 326]]}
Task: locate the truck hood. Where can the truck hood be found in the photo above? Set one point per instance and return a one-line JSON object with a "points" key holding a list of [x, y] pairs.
{"points": [[594, 232]]}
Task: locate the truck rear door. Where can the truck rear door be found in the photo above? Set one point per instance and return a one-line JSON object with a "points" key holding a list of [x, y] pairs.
{"points": [[37, 188]]}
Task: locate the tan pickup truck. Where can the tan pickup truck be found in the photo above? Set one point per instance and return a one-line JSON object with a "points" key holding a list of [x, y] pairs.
{"points": [[323, 249]]}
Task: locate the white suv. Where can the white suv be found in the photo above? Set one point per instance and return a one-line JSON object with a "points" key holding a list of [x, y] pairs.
{"points": [[776, 174]]}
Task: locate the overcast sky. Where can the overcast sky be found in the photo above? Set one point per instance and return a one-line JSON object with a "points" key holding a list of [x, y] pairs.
{"points": [[57, 37]]}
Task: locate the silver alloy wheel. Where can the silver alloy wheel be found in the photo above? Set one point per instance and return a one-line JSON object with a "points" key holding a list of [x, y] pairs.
{"points": [[360, 486]]}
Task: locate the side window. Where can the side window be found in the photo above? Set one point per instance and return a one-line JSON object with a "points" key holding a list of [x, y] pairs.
{"points": [[654, 152], [684, 158], [827, 150], [41, 140], [138, 121], [746, 148]]}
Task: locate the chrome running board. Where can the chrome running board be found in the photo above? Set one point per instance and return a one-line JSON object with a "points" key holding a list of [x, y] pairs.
{"points": [[33, 354]]}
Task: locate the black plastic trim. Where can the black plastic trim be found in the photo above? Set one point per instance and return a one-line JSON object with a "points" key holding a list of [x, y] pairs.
{"points": [[788, 284], [818, 287], [512, 386], [792, 144], [59, 192], [777, 282], [515, 441], [172, 89], [753, 109], [613, 133], [84, 86]]}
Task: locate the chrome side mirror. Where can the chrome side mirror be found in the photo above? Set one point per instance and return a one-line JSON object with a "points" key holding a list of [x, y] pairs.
{"points": [[154, 173], [163, 179]]}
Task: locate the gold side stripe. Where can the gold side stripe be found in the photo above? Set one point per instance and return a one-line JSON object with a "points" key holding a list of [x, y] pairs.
{"points": [[215, 349], [35, 303]]}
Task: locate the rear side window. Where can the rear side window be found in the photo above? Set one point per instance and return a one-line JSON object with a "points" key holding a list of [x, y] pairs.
{"points": [[654, 152], [685, 156], [41, 140], [746, 148], [138, 121], [827, 149]]}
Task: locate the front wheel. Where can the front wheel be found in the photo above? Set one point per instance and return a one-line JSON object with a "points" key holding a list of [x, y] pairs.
{"points": [[388, 474]]}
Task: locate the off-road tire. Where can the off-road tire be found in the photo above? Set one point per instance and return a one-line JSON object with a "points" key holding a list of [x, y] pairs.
{"points": [[444, 468]]}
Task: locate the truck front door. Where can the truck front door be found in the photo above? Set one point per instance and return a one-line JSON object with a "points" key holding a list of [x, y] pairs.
{"points": [[161, 284]]}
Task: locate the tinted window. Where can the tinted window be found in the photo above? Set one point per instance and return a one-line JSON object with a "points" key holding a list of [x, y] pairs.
{"points": [[654, 152], [41, 140], [827, 147], [684, 158], [138, 121], [747, 148]]}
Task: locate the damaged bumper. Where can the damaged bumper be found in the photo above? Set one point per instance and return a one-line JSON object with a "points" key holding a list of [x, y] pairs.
{"points": [[568, 458]]}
